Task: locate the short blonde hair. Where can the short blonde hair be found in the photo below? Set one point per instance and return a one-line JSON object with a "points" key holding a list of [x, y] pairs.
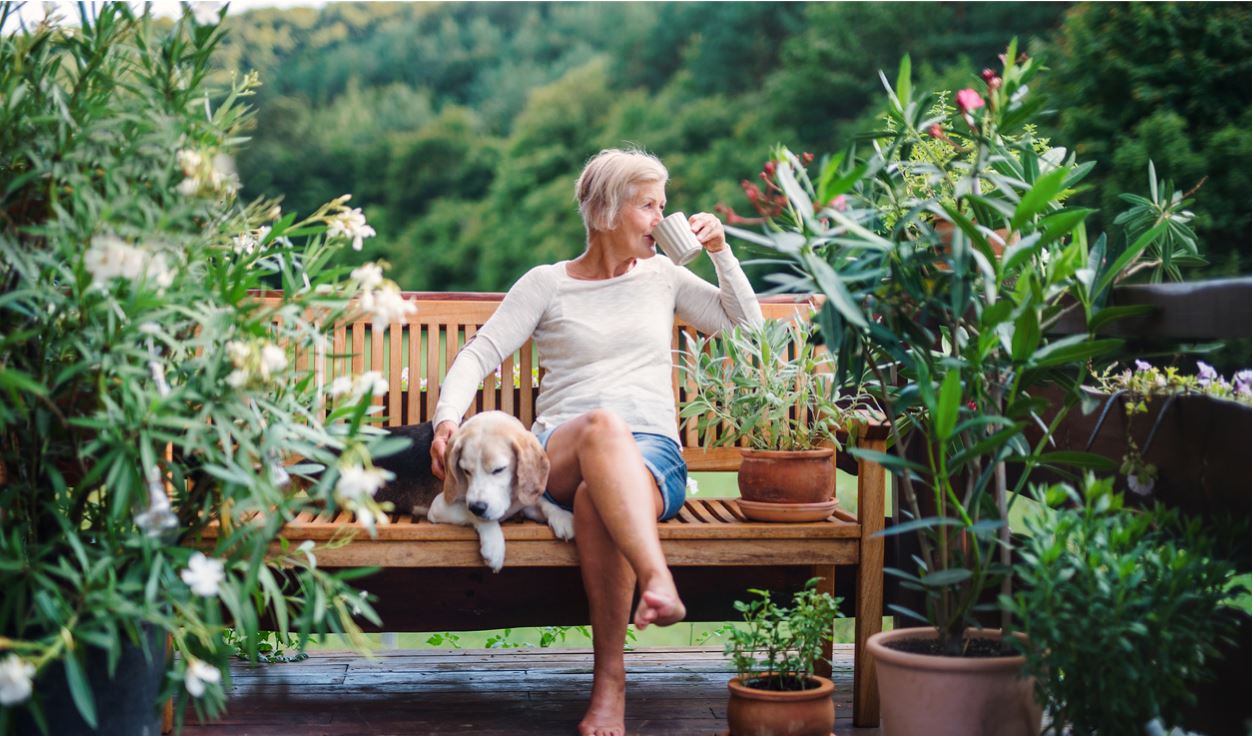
{"points": [[610, 179]]}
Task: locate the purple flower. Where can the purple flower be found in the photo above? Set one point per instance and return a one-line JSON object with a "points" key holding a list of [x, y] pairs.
{"points": [[1207, 373], [1243, 383], [1141, 365]]}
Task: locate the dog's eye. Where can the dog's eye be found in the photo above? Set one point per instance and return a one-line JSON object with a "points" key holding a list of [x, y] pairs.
{"points": [[499, 470]]}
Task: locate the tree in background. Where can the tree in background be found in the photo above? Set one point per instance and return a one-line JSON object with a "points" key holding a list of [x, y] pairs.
{"points": [[1171, 83]]}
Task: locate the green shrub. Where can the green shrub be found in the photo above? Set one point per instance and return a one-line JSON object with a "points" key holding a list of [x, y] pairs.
{"points": [[1125, 611]]}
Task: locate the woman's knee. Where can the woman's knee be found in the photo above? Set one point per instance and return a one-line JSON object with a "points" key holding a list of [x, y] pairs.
{"points": [[603, 425]]}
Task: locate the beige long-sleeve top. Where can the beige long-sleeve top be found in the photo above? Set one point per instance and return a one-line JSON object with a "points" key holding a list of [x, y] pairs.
{"points": [[603, 344]]}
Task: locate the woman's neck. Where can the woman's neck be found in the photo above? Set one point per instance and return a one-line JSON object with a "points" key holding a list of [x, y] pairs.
{"points": [[603, 259]]}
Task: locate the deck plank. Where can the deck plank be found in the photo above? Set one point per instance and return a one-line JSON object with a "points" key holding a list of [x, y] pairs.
{"points": [[679, 691]]}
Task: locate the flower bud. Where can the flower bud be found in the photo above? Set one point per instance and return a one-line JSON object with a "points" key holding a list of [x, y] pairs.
{"points": [[806, 158], [936, 131], [769, 169], [987, 74]]}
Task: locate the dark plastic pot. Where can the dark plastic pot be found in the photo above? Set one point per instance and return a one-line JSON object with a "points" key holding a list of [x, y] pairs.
{"points": [[125, 705]]}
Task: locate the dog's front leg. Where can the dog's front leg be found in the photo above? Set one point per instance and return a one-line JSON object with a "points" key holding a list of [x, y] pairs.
{"points": [[491, 543], [558, 519]]}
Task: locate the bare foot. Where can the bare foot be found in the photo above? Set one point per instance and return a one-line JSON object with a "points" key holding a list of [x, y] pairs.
{"points": [[659, 608], [606, 716]]}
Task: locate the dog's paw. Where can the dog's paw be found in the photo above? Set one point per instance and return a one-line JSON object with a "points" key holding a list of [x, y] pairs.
{"points": [[561, 522], [491, 546]]}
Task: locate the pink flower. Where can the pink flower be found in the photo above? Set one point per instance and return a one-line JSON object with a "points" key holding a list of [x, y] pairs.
{"points": [[840, 203], [968, 99], [936, 131]]}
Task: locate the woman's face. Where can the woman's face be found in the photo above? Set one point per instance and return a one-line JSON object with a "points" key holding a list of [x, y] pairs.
{"points": [[639, 216]]}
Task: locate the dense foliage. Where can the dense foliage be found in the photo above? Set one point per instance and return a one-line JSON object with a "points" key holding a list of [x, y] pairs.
{"points": [[145, 396], [460, 126], [1108, 595]]}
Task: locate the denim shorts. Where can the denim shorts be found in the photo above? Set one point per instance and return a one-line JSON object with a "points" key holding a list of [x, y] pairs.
{"points": [[663, 458]]}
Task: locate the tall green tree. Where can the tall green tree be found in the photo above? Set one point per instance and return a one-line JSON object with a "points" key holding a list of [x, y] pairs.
{"points": [[1170, 83]]}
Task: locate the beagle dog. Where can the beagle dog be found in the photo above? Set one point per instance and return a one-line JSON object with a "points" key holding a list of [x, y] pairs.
{"points": [[495, 469]]}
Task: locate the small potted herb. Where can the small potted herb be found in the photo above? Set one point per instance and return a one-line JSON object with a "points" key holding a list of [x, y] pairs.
{"points": [[776, 690], [771, 387]]}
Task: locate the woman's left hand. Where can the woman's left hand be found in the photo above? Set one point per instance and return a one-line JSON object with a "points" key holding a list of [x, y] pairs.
{"points": [[708, 230]]}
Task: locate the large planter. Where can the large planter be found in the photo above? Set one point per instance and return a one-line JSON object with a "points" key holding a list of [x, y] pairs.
{"points": [[125, 704], [754, 712], [787, 485], [960, 696]]}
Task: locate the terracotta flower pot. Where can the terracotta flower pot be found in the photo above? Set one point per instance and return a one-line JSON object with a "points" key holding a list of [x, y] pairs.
{"points": [[961, 696], [754, 712], [804, 476]]}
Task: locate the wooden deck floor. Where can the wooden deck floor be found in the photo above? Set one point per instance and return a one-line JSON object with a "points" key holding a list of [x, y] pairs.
{"points": [[680, 691]]}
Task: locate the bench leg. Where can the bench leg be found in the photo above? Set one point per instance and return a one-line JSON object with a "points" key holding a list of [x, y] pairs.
{"points": [[871, 509], [827, 573]]}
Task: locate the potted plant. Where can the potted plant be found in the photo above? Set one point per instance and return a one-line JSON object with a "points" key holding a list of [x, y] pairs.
{"points": [[775, 691], [1106, 595], [770, 388], [146, 394], [958, 342]]}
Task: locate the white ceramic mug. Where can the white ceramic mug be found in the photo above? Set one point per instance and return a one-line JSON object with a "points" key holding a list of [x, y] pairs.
{"points": [[676, 240]]}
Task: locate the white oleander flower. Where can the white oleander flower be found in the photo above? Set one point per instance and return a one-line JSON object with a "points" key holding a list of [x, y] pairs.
{"points": [[237, 378], [159, 518], [158, 377], [341, 385], [693, 487], [373, 382], [238, 352], [273, 360], [356, 482], [189, 161], [109, 257], [150, 328], [387, 305], [200, 674], [250, 241], [350, 223], [369, 276], [188, 187], [404, 379], [16, 680], [203, 575]]}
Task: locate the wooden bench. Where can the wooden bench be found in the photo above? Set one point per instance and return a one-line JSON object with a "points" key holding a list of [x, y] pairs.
{"points": [[716, 554]]}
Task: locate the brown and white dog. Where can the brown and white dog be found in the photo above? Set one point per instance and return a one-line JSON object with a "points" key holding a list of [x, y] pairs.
{"points": [[495, 469]]}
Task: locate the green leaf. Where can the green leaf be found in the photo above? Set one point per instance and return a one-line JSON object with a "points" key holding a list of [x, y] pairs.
{"points": [[1026, 335], [885, 459], [1110, 314], [904, 81], [944, 578], [1072, 349], [80, 689], [949, 404], [832, 286], [1131, 253], [1039, 196], [1079, 459]]}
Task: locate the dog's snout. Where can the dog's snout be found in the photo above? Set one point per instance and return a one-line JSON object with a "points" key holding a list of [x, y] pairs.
{"points": [[478, 508]]}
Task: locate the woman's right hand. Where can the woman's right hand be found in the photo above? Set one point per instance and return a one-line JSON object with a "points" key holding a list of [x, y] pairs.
{"points": [[439, 447]]}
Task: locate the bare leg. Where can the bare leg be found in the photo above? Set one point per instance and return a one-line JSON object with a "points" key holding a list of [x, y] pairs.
{"points": [[598, 448], [596, 464], [609, 582]]}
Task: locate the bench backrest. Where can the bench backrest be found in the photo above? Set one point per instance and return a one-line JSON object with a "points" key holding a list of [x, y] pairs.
{"points": [[414, 355]]}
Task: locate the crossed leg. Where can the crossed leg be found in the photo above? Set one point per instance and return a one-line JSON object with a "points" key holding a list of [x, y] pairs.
{"points": [[597, 465]]}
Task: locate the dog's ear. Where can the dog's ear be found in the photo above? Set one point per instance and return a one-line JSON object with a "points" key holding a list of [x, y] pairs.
{"points": [[532, 466], [454, 484]]}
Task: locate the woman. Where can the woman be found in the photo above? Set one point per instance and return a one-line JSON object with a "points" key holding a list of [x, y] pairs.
{"points": [[605, 413]]}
